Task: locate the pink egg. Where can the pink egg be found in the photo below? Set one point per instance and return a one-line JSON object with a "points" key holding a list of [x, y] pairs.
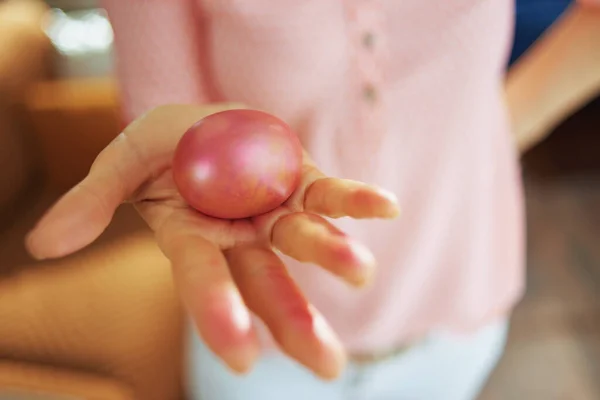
{"points": [[237, 164]]}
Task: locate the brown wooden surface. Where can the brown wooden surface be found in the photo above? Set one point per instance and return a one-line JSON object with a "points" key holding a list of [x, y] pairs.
{"points": [[73, 120], [23, 52], [23, 381], [108, 311]]}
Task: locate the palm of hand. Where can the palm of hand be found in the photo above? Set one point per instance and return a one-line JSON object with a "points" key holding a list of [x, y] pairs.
{"points": [[167, 213]]}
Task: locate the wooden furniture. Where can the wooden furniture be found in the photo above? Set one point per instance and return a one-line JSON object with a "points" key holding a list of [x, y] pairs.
{"points": [[23, 48], [73, 120], [102, 324]]}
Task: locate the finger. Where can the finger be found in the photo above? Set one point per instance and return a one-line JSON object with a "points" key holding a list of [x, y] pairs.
{"points": [[209, 294], [271, 294], [337, 198], [310, 238], [142, 150]]}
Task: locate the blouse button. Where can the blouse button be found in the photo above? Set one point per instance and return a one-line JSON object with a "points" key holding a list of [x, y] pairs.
{"points": [[369, 93], [368, 40]]}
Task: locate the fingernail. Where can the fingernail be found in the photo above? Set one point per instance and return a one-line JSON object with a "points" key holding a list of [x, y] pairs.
{"points": [[315, 345], [229, 330], [388, 195], [240, 316], [392, 210], [332, 362], [241, 359], [366, 259], [361, 253]]}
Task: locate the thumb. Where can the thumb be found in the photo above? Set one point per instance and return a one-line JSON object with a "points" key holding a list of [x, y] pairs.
{"points": [[144, 148]]}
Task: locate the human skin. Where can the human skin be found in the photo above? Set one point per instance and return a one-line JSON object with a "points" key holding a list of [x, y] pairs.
{"points": [[224, 269], [556, 77]]}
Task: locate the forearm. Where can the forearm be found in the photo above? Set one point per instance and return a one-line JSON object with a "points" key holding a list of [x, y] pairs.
{"points": [[556, 77], [157, 47]]}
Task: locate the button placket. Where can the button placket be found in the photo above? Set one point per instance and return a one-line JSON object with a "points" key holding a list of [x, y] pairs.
{"points": [[370, 58], [368, 51], [370, 93], [368, 40]]}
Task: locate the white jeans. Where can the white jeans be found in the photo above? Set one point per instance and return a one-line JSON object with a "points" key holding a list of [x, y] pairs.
{"points": [[442, 367]]}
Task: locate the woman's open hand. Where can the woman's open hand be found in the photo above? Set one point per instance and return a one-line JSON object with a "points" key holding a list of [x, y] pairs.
{"points": [[223, 269]]}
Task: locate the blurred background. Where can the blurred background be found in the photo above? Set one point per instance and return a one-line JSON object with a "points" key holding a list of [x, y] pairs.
{"points": [[104, 324]]}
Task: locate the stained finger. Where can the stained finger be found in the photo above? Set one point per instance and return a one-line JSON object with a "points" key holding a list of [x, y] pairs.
{"points": [[337, 198], [310, 238], [210, 295], [272, 295]]}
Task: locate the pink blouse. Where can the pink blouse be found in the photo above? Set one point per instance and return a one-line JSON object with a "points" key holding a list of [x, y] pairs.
{"points": [[403, 94]]}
